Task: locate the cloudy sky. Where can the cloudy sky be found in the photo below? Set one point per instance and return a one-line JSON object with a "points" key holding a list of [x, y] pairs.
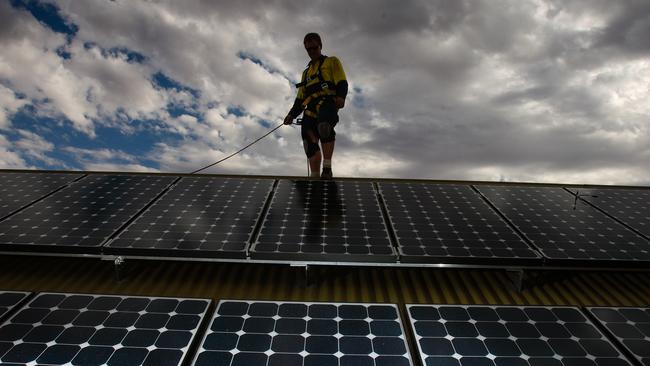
{"points": [[513, 90]]}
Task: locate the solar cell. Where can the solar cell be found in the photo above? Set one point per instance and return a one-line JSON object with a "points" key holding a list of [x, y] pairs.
{"points": [[509, 335], [631, 326], [252, 333], [631, 206], [57, 329], [82, 216], [18, 189], [9, 300], [199, 217], [450, 223], [561, 231], [324, 220]]}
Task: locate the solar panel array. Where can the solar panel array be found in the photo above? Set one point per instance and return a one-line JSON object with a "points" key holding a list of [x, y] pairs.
{"points": [[57, 329], [318, 220], [200, 217], [435, 222], [631, 206], [81, 216], [509, 335], [20, 189], [251, 333], [631, 326], [547, 217], [9, 300]]}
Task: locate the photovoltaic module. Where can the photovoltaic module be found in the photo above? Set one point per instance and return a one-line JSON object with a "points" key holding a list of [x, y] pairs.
{"points": [[268, 333], [450, 223], [324, 220], [198, 217], [58, 329]]}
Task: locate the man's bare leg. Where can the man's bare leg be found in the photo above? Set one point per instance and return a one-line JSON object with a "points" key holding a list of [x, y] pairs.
{"points": [[328, 150], [314, 165], [314, 161]]}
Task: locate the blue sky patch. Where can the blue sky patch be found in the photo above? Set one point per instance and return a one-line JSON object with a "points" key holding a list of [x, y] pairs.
{"points": [[139, 143], [236, 110], [163, 81], [49, 15]]}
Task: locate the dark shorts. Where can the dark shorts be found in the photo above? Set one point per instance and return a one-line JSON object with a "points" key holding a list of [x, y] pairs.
{"points": [[327, 113]]}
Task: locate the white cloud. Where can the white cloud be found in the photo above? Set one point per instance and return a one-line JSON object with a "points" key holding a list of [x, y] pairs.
{"points": [[9, 158], [9, 105]]}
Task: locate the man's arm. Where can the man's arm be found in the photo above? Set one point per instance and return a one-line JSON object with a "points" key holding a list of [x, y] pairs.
{"points": [[294, 111], [340, 81]]}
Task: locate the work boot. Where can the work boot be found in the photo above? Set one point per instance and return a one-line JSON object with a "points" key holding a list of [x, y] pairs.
{"points": [[326, 174]]}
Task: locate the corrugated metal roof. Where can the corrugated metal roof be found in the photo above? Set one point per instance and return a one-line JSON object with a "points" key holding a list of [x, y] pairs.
{"points": [[282, 282]]}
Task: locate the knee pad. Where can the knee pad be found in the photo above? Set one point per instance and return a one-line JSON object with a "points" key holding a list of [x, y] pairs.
{"points": [[311, 148], [324, 130]]}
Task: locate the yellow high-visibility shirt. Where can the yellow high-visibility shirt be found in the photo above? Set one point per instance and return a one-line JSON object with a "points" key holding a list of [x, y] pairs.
{"points": [[331, 70]]}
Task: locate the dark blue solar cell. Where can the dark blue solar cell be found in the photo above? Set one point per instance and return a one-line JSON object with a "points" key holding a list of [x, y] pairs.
{"points": [[323, 311], [162, 306], [263, 309], [288, 343], [104, 303], [321, 360], [163, 357], [502, 347], [141, 338], [354, 327], [290, 326], [174, 339], [43, 334], [437, 346], [248, 359], [385, 328], [227, 324], [322, 327], [183, 322], [322, 344], [353, 312], [93, 355], [58, 354], [452, 313], [259, 325], [75, 302], [254, 342], [293, 310], [285, 360], [221, 341], [208, 358], [60, 317], [152, 321], [134, 304], [127, 356]]}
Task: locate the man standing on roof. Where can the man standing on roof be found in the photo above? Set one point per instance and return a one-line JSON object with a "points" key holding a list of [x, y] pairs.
{"points": [[321, 93]]}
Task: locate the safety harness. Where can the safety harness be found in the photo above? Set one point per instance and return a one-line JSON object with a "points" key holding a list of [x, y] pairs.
{"points": [[316, 93]]}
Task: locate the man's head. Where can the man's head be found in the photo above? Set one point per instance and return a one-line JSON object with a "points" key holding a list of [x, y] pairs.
{"points": [[313, 45]]}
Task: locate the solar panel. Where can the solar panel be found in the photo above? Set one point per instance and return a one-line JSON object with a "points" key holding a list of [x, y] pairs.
{"points": [[631, 206], [547, 217], [449, 223], [631, 326], [199, 217], [57, 329], [82, 216], [20, 189], [509, 335], [9, 300], [250, 333], [324, 220]]}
